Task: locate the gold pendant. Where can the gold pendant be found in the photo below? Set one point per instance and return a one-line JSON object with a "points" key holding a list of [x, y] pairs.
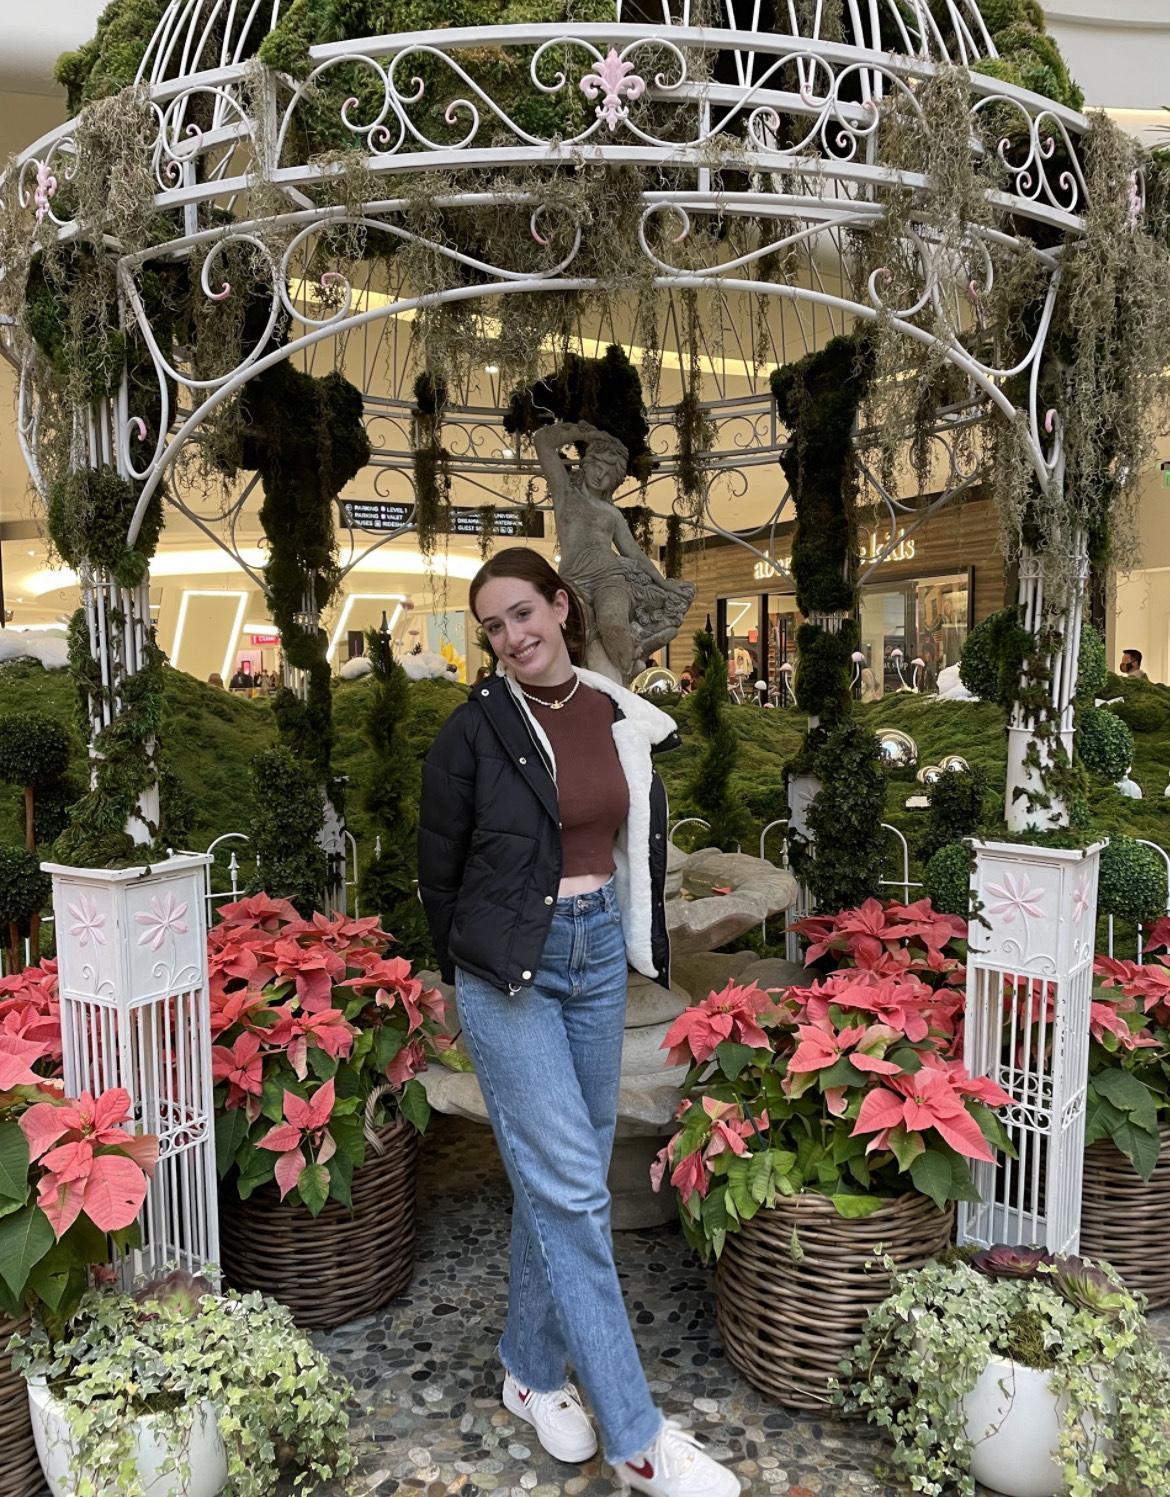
{"points": [[556, 706]]}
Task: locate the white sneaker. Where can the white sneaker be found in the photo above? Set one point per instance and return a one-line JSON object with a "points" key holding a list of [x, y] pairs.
{"points": [[676, 1465], [562, 1426]]}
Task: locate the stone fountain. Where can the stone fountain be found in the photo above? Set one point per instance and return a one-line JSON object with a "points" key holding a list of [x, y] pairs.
{"points": [[698, 919]]}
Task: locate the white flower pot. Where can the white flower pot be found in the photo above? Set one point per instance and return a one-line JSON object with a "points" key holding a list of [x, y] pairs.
{"points": [[54, 1446], [1014, 1422]]}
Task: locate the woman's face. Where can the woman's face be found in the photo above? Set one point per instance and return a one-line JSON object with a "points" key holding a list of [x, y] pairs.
{"points": [[524, 630]]}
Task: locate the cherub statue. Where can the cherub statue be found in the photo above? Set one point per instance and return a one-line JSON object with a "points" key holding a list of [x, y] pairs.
{"points": [[633, 610]]}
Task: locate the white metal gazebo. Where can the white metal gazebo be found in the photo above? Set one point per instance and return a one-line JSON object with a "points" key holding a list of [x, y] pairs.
{"points": [[759, 154]]}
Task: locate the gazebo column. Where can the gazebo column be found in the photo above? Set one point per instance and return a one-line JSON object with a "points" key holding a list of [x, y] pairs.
{"points": [[1031, 755]]}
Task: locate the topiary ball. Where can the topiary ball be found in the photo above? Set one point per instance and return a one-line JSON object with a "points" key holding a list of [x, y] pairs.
{"points": [[1131, 884], [1104, 744], [34, 748], [981, 660], [1143, 712], [946, 880], [24, 889]]}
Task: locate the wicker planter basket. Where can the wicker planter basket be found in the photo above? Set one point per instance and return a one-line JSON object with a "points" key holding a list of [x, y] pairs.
{"points": [[20, 1468], [786, 1324], [1125, 1221], [341, 1264]]}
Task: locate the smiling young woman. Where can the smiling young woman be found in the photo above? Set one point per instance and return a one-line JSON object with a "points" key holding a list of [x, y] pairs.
{"points": [[542, 865]]}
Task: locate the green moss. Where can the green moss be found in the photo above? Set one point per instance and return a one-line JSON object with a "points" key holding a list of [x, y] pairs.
{"points": [[606, 392], [817, 400], [109, 61]]}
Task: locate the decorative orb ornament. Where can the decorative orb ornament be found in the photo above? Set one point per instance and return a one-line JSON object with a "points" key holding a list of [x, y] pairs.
{"points": [[897, 749], [954, 762], [654, 682], [930, 774]]}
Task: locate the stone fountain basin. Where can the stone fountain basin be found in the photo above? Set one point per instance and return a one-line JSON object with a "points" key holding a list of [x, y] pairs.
{"points": [[701, 920]]}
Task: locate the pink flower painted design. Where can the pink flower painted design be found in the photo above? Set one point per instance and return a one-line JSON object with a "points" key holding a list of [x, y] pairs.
{"points": [[45, 189], [163, 916], [88, 923], [1080, 899], [1015, 897], [612, 76]]}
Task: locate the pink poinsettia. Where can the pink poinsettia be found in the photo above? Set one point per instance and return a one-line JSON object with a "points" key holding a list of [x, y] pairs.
{"points": [[241, 1065], [256, 911], [728, 1015], [89, 1162], [30, 1009], [327, 1030], [17, 1058], [306, 1125], [729, 1129], [313, 968], [928, 1099]]}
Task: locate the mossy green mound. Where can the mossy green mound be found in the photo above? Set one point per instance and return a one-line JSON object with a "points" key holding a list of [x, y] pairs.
{"points": [[210, 738]]}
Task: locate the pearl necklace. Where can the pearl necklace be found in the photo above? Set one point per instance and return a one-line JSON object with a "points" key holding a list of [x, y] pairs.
{"points": [[552, 706]]}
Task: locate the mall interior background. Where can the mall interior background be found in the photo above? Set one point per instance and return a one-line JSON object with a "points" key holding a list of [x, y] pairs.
{"points": [[920, 601]]}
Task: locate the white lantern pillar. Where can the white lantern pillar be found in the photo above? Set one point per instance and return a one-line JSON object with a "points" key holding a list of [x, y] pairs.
{"points": [[1029, 991], [135, 1013]]}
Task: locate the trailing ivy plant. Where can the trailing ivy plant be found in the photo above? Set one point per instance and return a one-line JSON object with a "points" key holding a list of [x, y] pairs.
{"points": [[710, 790], [926, 1345], [841, 864]]}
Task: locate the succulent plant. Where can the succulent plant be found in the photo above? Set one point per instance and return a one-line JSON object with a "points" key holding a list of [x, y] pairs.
{"points": [[1006, 1262], [1088, 1288], [179, 1292]]}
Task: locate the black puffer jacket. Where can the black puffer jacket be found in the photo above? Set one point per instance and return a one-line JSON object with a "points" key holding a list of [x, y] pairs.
{"points": [[489, 845]]}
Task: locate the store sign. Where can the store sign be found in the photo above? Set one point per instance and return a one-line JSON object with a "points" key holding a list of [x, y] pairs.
{"points": [[872, 545], [379, 516], [264, 639]]}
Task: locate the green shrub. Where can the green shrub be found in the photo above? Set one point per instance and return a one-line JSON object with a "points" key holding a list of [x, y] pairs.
{"points": [[1132, 881], [34, 748], [1092, 664], [24, 889], [947, 879], [710, 790], [287, 818], [993, 655], [957, 808], [1104, 743], [842, 866]]}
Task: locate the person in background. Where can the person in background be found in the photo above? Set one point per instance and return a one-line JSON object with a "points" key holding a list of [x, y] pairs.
{"points": [[1131, 665], [242, 680], [215, 679], [686, 682]]}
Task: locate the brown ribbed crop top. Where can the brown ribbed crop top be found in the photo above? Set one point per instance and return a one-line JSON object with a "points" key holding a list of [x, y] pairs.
{"points": [[591, 786]]}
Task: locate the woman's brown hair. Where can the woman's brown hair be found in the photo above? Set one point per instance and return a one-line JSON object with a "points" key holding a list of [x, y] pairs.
{"points": [[529, 566]]}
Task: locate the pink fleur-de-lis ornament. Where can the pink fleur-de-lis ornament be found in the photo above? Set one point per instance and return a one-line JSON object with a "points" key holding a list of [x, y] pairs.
{"points": [[613, 77]]}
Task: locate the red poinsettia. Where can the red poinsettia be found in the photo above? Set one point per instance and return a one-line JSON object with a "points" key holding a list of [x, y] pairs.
{"points": [[926, 1100]]}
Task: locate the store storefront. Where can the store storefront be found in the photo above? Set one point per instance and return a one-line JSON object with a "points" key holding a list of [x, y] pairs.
{"points": [[918, 604]]}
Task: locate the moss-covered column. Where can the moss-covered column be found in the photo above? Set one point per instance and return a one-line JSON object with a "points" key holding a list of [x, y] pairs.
{"points": [[113, 654], [1041, 777], [836, 791]]}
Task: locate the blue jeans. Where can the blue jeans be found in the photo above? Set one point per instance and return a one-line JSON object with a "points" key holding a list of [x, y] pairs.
{"points": [[548, 1061]]}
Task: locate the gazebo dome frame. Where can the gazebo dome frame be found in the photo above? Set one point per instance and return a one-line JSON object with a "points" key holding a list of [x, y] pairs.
{"points": [[808, 194]]}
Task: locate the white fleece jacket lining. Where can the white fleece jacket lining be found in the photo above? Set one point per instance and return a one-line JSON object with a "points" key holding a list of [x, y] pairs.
{"points": [[642, 725]]}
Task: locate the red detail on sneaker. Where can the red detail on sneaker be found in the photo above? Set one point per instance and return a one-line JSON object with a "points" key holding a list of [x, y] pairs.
{"points": [[525, 1394], [645, 1470]]}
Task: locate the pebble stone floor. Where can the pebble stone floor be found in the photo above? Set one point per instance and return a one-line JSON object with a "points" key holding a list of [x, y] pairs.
{"points": [[428, 1382]]}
